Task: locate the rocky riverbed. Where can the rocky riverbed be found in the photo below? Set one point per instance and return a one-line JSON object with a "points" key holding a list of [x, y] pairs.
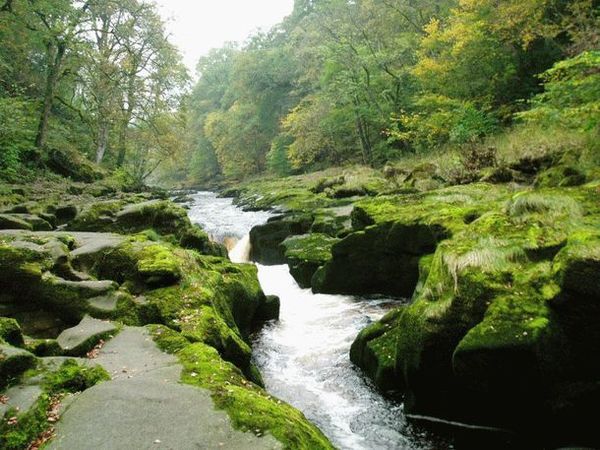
{"points": [[124, 326], [503, 276]]}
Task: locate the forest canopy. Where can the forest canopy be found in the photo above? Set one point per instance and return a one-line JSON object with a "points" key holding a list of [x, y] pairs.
{"points": [[372, 80], [336, 82]]}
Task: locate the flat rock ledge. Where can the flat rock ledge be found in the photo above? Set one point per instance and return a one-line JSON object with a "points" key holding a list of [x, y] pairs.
{"points": [[145, 407]]}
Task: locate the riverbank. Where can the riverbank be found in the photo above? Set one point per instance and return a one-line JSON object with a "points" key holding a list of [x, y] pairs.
{"points": [[502, 274], [87, 270]]}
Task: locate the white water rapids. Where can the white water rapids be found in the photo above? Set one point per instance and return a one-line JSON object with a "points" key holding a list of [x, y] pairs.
{"points": [[304, 357]]}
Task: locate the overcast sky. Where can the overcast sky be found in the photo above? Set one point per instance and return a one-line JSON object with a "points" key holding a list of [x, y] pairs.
{"points": [[196, 26]]}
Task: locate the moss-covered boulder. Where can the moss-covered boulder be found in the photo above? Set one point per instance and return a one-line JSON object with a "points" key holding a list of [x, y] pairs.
{"points": [[305, 254], [13, 362], [140, 263], [10, 332], [391, 234], [502, 326], [216, 302], [73, 165], [374, 351], [266, 240], [380, 259]]}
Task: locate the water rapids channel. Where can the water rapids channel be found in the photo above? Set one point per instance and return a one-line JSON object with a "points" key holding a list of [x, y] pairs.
{"points": [[304, 356]]}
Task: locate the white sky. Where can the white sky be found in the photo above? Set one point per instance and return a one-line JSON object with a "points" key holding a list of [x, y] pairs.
{"points": [[196, 26]]}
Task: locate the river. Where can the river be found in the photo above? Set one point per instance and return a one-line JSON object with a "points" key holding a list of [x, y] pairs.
{"points": [[304, 356]]}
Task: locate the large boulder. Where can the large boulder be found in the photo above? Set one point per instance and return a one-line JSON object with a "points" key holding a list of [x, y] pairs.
{"points": [[266, 240], [379, 259], [72, 165], [503, 324], [305, 254]]}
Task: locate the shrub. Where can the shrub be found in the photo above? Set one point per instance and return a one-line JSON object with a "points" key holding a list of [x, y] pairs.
{"points": [[17, 133], [572, 95]]}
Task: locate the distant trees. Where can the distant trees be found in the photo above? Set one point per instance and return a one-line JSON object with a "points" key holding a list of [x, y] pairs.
{"points": [[369, 80]]}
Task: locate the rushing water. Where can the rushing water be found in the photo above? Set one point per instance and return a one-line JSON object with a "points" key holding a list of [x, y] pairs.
{"points": [[304, 357]]}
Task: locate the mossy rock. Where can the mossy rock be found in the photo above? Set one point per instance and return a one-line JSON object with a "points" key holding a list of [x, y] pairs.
{"points": [[72, 377], [560, 176], [266, 239], [268, 309], [98, 216], [327, 183], [72, 164], [43, 347], [10, 332], [504, 313], [374, 351], [195, 238], [79, 340], [248, 405], [14, 222], [141, 263], [162, 216], [218, 303], [379, 259], [66, 213], [21, 270], [13, 362], [306, 253]]}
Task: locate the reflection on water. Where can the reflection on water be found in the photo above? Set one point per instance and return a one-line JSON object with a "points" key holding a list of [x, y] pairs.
{"points": [[304, 357]]}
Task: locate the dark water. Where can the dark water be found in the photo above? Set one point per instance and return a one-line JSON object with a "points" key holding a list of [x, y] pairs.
{"points": [[304, 356]]}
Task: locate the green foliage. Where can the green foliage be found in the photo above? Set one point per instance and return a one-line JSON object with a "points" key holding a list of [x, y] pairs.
{"points": [[97, 95], [572, 95], [16, 134], [439, 120], [277, 159]]}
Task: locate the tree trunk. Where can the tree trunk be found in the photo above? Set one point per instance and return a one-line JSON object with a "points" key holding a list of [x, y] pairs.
{"points": [[102, 142], [365, 142], [125, 126], [122, 147], [55, 56]]}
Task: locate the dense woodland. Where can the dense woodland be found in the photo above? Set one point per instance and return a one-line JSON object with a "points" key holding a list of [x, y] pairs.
{"points": [[337, 82]]}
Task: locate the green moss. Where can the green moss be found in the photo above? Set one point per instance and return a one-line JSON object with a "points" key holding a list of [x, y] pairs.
{"points": [[72, 377], [157, 265], [313, 247], [13, 363], [97, 216], [168, 340], [374, 351], [249, 406], [10, 332], [141, 263], [205, 325], [29, 425], [43, 347]]}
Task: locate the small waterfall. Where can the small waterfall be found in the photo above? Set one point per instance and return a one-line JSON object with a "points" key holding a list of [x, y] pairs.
{"points": [[240, 253]]}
